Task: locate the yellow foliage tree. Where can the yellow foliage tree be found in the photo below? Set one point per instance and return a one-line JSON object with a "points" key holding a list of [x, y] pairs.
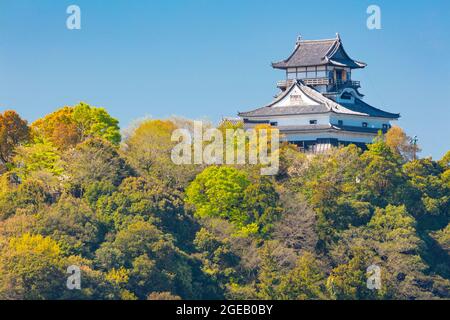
{"points": [[31, 267]]}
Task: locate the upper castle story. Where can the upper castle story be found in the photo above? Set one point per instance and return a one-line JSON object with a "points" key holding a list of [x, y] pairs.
{"points": [[321, 64]]}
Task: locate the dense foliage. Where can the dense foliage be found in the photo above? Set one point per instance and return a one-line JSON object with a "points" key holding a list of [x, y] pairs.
{"points": [[73, 192]]}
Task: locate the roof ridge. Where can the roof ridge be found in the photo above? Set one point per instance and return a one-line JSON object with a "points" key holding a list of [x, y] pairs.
{"points": [[330, 103], [317, 52], [319, 40]]}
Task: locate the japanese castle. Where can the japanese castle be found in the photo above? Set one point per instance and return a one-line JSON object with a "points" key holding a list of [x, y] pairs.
{"points": [[319, 104]]}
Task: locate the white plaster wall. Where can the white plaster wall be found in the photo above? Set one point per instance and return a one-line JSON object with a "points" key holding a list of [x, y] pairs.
{"points": [[363, 138], [286, 101], [303, 120], [357, 121]]}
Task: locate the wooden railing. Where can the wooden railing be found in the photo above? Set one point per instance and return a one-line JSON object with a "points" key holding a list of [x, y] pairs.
{"points": [[347, 82], [319, 81]]}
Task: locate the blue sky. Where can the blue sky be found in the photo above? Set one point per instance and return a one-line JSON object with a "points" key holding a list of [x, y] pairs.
{"points": [[211, 58]]}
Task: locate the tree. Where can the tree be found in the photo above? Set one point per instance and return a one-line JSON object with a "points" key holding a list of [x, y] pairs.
{"points": [[140, 227], [13, 131], [382, 181], [219, 192], [59, 128], [27, 198], [73, 225], [32, 267], [152, 201], [148, 149], [262, 203], [38, 156], [445, 164], [348, 281], [331, 184], [162, 296], [150, 258], [397, 243], [306, 281], [390, 242], [297, 225], [269, 276], [443, 237], [401, 144], [69, 126], [96, 122], [218, 257], [428, 200], [94, 160], [445, 161]]}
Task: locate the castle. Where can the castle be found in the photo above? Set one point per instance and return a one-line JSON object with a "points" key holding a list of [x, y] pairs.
{"points": [[319, 104]]}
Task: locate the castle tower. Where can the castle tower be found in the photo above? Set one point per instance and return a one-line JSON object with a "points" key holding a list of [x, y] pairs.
{"points": [[319, 104]]}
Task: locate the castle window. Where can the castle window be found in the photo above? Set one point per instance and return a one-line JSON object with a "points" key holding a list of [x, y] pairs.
{"points": [[365, 124], [346, 96], [312, 121], [301, 75]]}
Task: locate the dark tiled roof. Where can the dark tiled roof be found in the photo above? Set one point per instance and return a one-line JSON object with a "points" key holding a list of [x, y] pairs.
{"points": [[318, 52], [362, 107], [324, 104], [278, 111]]}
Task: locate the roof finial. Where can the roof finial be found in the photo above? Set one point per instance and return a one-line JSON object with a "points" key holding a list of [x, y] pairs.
{"points": [[299, 38], [338, 36]]}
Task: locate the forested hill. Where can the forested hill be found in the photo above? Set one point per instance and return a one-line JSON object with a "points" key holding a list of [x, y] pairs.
{"points": [[74, 192]]}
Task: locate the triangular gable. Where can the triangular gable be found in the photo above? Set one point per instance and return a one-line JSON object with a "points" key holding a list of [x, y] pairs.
{"points": [[295, 97]]}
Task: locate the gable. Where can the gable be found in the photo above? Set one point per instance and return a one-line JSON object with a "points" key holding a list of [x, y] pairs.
{"points": [[295, 97]]}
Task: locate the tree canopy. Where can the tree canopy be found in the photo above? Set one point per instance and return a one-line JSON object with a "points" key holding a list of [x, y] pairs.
{"points": [[138, 226]]}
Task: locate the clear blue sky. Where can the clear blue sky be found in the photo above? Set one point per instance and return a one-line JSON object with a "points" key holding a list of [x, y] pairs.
{"points": [[211, 58]]}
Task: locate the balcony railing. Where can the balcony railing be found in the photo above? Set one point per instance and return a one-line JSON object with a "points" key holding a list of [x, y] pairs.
{"points": [[283, 84], [349, 83]]}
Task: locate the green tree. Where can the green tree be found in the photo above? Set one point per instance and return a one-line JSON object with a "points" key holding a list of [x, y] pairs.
{"points": [[69, 126], [150, 258], [382, 181], [443, 237], [96, 122], [38, 156], [94, 160], [219, 192], [73, 225], [306, 281], [348, 281], [148, 148]]}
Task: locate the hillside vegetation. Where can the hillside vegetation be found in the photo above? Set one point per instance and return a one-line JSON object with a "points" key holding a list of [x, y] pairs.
{"points": [[73, 191]]}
